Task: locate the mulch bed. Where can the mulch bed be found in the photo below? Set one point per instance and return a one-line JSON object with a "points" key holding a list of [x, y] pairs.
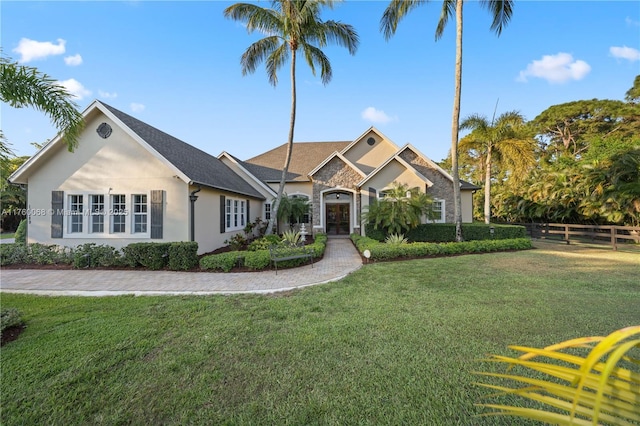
{"points": [[11, 334]]}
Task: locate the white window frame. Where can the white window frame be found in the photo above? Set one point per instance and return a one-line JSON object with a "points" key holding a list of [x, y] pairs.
{"points": [[118, 210], [235, 214], [443, 216], [109, 213], [143, 213], [96, 216], [267, 211], [76, 211]]}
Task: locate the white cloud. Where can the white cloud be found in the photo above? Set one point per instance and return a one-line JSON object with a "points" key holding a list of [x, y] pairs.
{"points": [[30, 50], [76, 88], [107, 95], [376, 116], [625, 52], [556, 68], [135, 107], [73, 61], [632, 22]]}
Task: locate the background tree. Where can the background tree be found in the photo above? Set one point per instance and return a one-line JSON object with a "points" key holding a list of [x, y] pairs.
{"points": [[501, 11], [22, 86], [505, 142], [401, 209], [290, 26], [292, 209], [13, 198]]}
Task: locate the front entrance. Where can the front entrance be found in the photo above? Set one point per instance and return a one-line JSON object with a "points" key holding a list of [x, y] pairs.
{"points": [[338, 219]]}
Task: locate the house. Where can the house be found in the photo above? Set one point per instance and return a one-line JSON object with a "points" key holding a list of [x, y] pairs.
{"points": [[341, 178], [129, 182]]}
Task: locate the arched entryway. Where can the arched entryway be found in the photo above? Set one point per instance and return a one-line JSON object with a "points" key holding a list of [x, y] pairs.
{"points": [[337, 214]]}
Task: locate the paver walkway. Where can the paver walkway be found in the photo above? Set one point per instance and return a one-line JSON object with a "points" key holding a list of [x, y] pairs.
{"points": [[340, 259]]}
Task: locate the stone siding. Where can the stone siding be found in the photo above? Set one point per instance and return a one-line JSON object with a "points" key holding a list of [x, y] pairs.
{"points": [[336, 174], [442, 187]]}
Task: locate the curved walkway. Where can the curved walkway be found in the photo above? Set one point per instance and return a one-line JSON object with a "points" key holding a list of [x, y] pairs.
{"points": [[340, 259]]}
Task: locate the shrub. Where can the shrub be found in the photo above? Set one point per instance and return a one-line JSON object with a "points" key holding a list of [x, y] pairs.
{"points": [[291, 238], [21, 233], [264, 243], [39, 254], [223, 261], [380, 251], [183, 256], [150, 255], [395, 239], [446, 232], [236, 242], [257, 260], [10, 317], [91, 255], [11, 254]]}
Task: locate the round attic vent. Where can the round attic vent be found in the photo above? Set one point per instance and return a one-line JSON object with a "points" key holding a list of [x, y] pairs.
{"points": [[104, 130], [371, 141]]}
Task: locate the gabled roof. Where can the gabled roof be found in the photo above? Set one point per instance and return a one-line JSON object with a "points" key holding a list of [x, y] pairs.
{"points": [[305, 156], [243, 166], [399, 160], [191, 164], [463, 184], [341, 157], [370, 129]]}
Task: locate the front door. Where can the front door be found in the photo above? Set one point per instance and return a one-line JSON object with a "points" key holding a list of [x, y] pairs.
{"points": [[338, 219]]}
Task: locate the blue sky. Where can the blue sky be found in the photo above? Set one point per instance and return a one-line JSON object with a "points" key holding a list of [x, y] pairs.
{"points": [[176, 66]]}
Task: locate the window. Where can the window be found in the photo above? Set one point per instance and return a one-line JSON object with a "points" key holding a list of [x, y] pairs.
{"points": [[267, 211], [118, 213], [140, 213], [76, 216], [438, 211], [97, 213], [236, 212]]}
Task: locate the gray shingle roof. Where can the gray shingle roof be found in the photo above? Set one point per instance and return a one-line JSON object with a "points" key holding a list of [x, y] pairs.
{"points": [[305, 156], [200, 167]]}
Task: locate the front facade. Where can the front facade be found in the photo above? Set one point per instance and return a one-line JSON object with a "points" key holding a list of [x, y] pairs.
{"points": [[129, 182]]}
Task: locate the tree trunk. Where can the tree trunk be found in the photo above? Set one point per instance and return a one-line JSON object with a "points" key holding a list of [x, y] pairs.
{"points": [[487, 188], [455, 124], [292, 124]]}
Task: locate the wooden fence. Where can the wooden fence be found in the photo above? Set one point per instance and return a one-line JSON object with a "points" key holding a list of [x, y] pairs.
{"points": [[599, 234]]}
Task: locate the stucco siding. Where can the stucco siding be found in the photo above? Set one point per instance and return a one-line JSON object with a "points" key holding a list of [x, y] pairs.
{"points": [[116, 165], [368, 157]]}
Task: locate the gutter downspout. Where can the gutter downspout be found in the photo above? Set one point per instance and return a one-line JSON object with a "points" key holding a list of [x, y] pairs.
{"points": [[193, 198]]}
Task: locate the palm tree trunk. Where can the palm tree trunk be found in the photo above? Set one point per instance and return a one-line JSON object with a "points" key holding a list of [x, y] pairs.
{"points": [[487, 188], [455, 124], [292, 124]]}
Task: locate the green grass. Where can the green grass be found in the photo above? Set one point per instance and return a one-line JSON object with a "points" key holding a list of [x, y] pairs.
{"points": [[7, 236], [394, 343]]}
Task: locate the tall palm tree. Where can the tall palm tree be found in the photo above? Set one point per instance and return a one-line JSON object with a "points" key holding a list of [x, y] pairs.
{"points": [[290, 25], [505, 142], [22, 86], [501, 11]]}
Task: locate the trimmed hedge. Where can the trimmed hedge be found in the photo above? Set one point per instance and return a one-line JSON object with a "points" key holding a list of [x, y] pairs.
{"points": [[36, 254], [153, 256], [20, 236], [258, 259], [223, 261], [183, 256], [381, 251], [92, 255], [446, 232]]}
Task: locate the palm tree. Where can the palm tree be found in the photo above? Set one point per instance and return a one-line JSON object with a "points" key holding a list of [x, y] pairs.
{"points": [[22, 86], [504, 141], [290, 25], [400, 210], [501, 10]]}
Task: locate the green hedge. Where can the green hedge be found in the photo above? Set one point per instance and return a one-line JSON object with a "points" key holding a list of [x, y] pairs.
{"points": [[381, 251], [258, 259], [153, 256], [183, 256], [92, 255], [223, 261], [34, 254], [446, 232], [20, 236]]}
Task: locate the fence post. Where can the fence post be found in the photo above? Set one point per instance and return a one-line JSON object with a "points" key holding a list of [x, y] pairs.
{"points": [[566, 233], [614, 239]]}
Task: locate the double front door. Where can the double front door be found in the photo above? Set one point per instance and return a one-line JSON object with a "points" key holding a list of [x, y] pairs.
{"points": [[337, 219]]}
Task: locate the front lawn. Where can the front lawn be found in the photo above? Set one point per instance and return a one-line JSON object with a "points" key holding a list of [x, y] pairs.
{"points": [[6, 236], [393, 343]]}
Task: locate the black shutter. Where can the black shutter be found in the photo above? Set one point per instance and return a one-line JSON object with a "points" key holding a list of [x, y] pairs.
{"points": [[372, 195], [57, 215], [248, 214], [157, 198], [222, 214]]}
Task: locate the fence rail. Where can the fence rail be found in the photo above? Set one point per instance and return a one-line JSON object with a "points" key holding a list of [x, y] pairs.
{"points": [[599, 234]]}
